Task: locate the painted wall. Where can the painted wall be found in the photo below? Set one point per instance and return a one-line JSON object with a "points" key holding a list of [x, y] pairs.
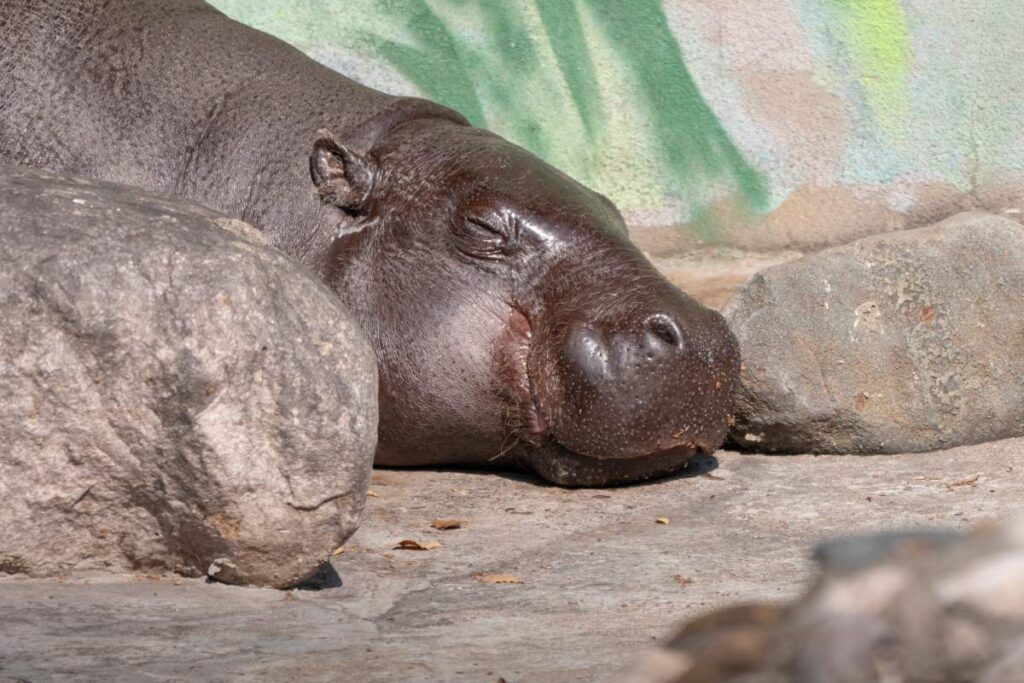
{"points": [[754, 123]]}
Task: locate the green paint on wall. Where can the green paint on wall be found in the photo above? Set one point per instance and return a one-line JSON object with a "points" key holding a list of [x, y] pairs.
{"points": [[505, 64], [876, 37], [598, 89], [468, 75], [565, 34], [692, 142], [433, 62]]}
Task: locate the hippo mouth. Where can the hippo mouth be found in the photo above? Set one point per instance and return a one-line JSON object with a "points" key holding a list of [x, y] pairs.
{"points": [[560, 465], [538, 447]]}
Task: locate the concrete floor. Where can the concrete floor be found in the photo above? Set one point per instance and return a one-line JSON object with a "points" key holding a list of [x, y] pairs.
{"points": [[601, 580]]}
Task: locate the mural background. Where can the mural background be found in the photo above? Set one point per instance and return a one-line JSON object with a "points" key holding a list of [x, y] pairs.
{"points": [[761, 124]]}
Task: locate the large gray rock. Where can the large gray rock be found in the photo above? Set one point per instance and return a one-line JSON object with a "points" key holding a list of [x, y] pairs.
{"points": [[930, 607], [909, 341], [172, 395]]}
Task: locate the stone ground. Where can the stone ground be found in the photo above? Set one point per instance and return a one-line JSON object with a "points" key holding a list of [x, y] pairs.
{"points": [[601, 580]]}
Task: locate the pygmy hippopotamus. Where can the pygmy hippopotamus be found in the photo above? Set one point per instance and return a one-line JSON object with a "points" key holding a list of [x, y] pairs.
{"points": [[514, 322]]}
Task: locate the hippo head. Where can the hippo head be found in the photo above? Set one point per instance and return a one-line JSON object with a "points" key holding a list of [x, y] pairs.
{"points": [[514, 322]]}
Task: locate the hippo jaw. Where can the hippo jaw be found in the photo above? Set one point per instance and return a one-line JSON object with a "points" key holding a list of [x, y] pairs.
{"points": [[559, 465], [540, 448], [554, 462]]}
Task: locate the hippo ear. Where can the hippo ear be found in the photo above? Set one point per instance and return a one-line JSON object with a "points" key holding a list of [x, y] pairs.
{"points": [[342, 177]]}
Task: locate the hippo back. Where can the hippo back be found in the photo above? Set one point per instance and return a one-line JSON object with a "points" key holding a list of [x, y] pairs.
{"points": [[178, 99]]}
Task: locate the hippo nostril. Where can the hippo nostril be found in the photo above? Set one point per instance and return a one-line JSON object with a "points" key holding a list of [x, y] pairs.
{"points": [[586, 350], [666, 329]]}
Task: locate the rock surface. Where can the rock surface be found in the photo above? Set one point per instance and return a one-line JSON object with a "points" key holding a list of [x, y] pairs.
{"points": [[938, 607], [172, 395], [602, 581], [905, 342]]}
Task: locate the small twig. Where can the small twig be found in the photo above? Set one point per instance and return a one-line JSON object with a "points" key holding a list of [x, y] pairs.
{"points": [[966, 481]]}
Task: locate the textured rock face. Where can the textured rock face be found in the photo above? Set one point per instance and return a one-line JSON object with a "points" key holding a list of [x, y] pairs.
{"points": [[909, 341], [935, 607], [172, 395]]}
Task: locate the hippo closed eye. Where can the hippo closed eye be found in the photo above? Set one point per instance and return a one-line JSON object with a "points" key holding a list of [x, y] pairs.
{"points": [[514, 323]]}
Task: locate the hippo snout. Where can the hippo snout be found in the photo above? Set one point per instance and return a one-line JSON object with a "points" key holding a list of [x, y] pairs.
{"points": [[651, 383], [599, 358]]}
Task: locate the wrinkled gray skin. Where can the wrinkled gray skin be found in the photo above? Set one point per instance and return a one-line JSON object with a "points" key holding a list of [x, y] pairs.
{"points": [[514, 323]]}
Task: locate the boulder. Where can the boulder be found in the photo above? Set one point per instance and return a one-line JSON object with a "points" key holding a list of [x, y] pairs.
{"points": [[937, 606], [174, 395], [908, 341]]}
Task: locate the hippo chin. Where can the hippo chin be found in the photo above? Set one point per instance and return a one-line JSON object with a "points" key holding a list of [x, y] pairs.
{"points": [[514, 323]]}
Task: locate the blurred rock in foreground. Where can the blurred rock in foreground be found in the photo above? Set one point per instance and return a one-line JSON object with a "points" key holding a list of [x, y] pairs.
{"points": [[916, 608]]}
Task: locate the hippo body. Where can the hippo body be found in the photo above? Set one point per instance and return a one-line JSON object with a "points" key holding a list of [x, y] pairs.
{"points": [[514, 323]]}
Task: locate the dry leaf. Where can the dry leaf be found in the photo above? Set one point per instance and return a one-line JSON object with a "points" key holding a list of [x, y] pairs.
{"points": [[498, 578], [682, 580], [446, 523], [372, 494], [409, 544], [338, 551], [662, 520]]}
